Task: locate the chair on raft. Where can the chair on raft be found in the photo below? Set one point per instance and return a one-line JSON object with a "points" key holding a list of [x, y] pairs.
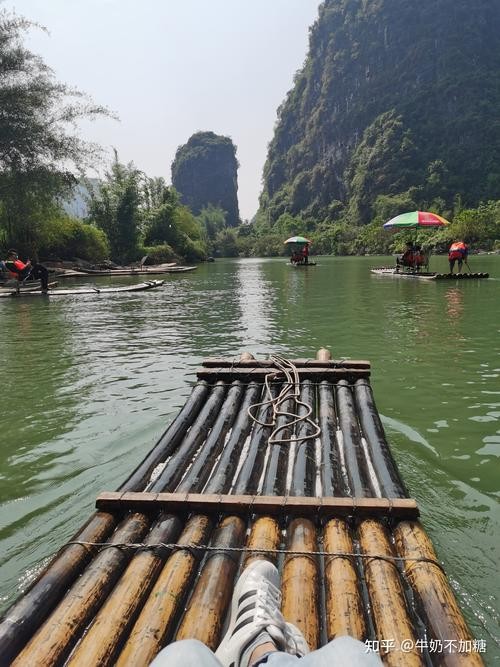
{"points": [[9, 279]]}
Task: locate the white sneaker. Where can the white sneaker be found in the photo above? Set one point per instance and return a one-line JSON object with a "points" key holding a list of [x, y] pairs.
{"points": [[255, 615], [295, 642]]}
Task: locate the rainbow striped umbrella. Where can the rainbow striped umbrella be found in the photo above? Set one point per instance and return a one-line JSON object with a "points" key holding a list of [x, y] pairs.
{"points": [[415, 219]]}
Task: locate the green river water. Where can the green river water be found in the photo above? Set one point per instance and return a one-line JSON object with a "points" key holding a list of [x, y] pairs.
{"points": [[89, 383]]}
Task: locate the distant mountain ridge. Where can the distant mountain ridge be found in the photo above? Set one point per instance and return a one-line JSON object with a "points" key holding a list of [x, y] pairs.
{"points": [[394, 96]]}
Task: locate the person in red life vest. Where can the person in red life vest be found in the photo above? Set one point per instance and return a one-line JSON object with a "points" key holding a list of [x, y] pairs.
{"points": [[458, 252], [418, 257], [408, 257], [305, 253], [22, 270]]}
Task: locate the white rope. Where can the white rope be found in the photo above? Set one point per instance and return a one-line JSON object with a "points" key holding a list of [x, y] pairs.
{"points": [[289, 391]]}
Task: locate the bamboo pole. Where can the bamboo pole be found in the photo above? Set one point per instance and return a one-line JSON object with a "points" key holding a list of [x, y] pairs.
{"points": [[300, 581], [27, 614], [223, 473], [383, 462], [169, 440], [389, 611], [250, 472], [30, 611], [327, 361], [323, 354], [435, 599], [114, 619], [199, 471], [344, 605], [205, 610], [355, 461], [304, 465], [54, 639], [277, 460], [160, 613], [176, 466], [264, 534], [334, 481], [310, 372]]}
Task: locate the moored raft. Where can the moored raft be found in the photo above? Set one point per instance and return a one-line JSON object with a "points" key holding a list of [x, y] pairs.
{"points": [[427, 275], [226, 483], [139, 287]]}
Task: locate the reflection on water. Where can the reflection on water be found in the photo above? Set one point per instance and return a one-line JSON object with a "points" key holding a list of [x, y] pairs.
{"points": [[455, 303], [89, 383]]}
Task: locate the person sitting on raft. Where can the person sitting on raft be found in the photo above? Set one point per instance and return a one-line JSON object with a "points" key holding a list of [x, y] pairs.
{"points": [[296, 258], [21, 270], [258, 635], [407, 259], [458, 252]]}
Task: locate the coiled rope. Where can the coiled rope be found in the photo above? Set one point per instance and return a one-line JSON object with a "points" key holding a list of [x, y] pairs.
{"points": [[289, 391]]}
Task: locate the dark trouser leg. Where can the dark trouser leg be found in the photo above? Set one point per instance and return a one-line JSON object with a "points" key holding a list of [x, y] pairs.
{"points": [[41, 273], [460, 266], [452, 264]]}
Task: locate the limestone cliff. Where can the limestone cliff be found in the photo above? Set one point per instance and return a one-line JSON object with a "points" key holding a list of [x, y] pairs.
{"points": [[204, 172], [393, 95]]}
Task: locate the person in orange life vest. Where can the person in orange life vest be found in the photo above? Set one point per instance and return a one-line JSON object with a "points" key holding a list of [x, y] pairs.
{"points": [[458, 252], [21, 270], [305, 253]]}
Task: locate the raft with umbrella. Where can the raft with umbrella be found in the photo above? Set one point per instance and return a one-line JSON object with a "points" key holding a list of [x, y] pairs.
{"points": [[269, 458], [420, 220], [297, 243]]}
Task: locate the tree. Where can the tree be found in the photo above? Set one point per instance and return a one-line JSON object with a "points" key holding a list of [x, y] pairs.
{"points": [[115, 208], [40, 153]]}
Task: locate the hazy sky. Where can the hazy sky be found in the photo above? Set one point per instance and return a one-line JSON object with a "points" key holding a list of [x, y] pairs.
{"points": [[170, 68]]}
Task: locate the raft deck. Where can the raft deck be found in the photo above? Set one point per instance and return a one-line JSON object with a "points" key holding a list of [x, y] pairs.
{"points": [[427, 275], [158, 560]]}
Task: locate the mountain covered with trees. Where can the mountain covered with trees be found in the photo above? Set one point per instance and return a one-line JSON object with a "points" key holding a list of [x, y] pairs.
{"points": [[204, 172], [396, 107]]}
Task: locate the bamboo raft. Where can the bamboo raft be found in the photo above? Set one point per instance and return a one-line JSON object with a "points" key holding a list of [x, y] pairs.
{"points": [[158, 559], [139, 287], [427, 275]]}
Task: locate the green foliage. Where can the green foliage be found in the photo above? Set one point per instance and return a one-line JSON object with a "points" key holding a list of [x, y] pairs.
{"points": [[159, 254], [213, 220], [39, 152], [115, 208], [204, 172], [226, 243], [65, 238]]}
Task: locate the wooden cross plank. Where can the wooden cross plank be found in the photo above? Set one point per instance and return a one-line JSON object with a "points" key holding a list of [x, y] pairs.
{"points": [[304, 506]]}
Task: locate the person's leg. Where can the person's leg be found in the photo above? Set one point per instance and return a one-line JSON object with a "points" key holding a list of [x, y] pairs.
{"points": [[460, 262], [452, 264], [256, 627], [186, 653], [340, 652], [41, 273]]}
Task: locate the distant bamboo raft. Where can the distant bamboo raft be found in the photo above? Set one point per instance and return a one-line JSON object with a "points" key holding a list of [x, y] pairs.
{"points": [[158, 560]]}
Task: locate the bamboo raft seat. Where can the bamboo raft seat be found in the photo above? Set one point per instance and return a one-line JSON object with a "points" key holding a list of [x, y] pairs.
{"points": [[321, 497]]}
